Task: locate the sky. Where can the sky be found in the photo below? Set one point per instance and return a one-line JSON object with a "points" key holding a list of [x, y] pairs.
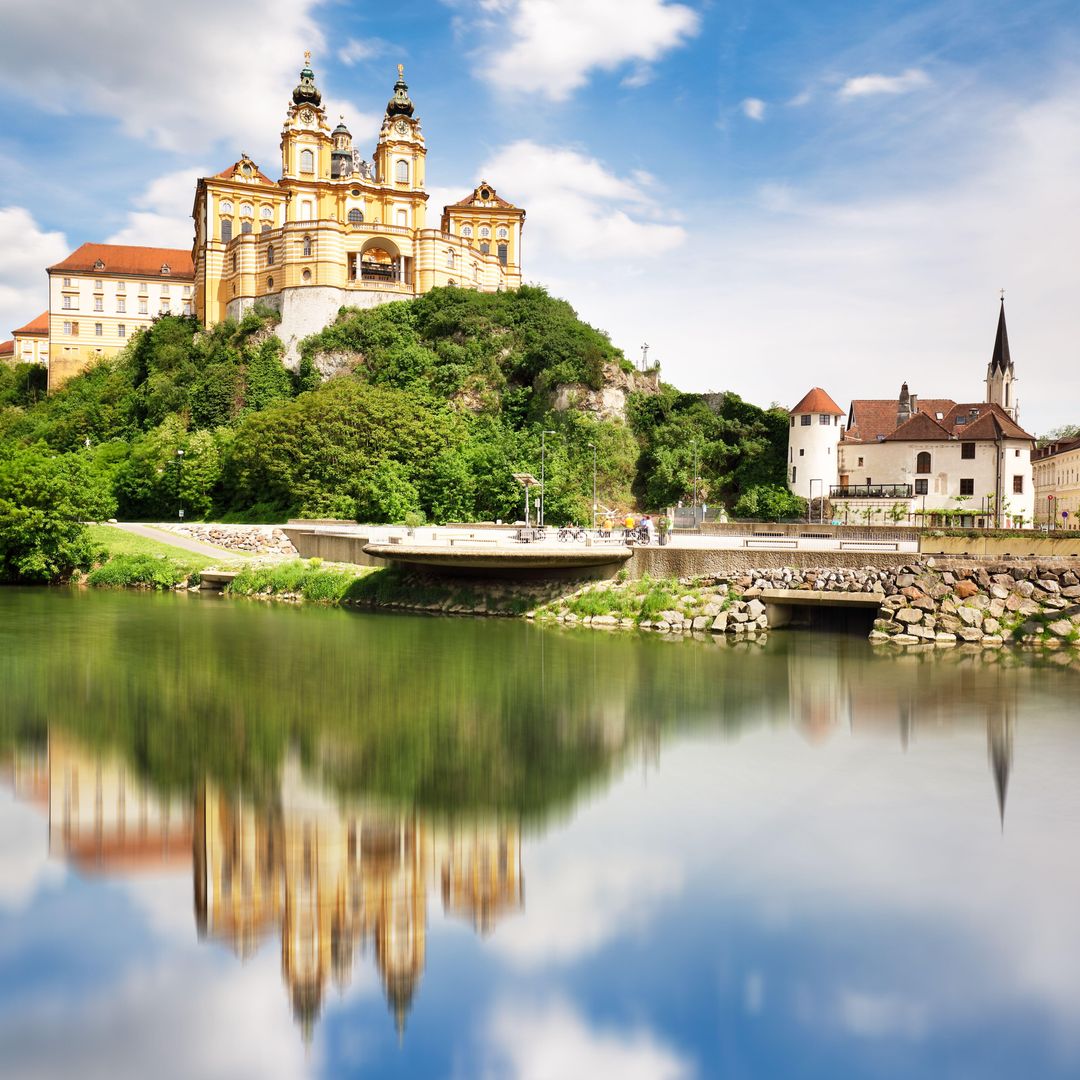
{"points": [[773, 194]]}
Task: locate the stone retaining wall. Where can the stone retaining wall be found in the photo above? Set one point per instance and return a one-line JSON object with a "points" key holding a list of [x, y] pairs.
{"points": [[256, 539]]}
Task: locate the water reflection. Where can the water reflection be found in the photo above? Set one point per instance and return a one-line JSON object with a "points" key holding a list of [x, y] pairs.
{"points": [[825, 848], [327, 880]]}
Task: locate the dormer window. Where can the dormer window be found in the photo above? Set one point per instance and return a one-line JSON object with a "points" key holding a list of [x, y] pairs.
{"points": [[99, 265], [165, 269], [485, 194]]}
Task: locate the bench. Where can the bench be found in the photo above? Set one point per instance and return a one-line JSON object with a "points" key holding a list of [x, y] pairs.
{"points": [[869, 545], [758, 542], [470, 541]]}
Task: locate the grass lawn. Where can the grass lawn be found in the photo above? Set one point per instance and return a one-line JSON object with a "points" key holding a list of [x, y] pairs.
{"points": [[118, 542]]}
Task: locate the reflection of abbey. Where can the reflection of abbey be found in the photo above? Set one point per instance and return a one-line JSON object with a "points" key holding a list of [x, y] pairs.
{"points": [[334, 231], [901, 460], [327, 879], [338, 230]]}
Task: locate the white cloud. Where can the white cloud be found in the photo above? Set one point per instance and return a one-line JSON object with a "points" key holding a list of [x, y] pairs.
{"points": [[753, 108], [577, 208], [354, 51], [28, 249], [171, 80], [527, 1042], [196, 1015], [578, 905], [869, 85], [24, 843], [551, 47], [162, 214]]}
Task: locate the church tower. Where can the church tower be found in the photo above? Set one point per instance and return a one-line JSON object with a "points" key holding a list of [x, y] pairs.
{"points": [[306, 144], [999, 372], [400, 155]]}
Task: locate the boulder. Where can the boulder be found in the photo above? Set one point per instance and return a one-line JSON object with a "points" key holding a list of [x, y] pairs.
{"points": [[755, 609], [970, 633], [720, 623], [964, 589], [702, 622], [970, 616], [911, 616]]}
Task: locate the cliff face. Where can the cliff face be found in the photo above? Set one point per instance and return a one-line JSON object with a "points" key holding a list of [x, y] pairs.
{"points": [[609, 402]]}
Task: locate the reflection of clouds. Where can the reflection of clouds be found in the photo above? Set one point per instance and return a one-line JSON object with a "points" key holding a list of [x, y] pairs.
{"points": [[880, 1015], [174, 1020], [576, 905], [24, 844], [553, 1042]]}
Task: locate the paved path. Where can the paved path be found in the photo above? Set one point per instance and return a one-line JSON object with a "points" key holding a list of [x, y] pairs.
{"points": [[174, 540]]}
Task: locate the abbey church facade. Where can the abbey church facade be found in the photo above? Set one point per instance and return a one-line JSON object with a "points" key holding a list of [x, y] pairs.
{"points": [[337, 230]]}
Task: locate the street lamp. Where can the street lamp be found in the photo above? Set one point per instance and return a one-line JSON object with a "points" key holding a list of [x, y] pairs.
{"points": [[180, 482], [695, 483], [593, 445], [543, 486]]}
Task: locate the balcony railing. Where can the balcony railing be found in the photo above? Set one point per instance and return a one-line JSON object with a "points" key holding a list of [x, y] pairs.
{"points": [[871, 491]]}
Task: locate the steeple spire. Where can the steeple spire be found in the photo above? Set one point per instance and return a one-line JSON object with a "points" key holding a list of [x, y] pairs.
{"points": [[1001, 360], [306, 91], [399, 104]]}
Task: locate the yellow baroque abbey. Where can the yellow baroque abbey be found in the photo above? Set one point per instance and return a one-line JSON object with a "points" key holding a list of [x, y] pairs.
{"points": [[337, 230]]}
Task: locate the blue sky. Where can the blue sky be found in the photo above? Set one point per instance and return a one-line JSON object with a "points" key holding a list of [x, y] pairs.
{"points": [[773, 195]]}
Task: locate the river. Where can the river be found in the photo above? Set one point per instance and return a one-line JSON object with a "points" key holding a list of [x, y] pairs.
{"points": [[248, 840]]}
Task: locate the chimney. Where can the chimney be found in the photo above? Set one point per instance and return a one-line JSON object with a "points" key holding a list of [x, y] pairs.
{"points": [[903, 406], [914, 404]]}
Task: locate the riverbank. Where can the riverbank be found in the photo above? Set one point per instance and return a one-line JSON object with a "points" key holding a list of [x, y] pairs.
{"points": [[918, 604]]}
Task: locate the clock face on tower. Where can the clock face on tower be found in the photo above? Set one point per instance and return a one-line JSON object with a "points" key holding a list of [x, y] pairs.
{"points": [[307, 116], [402, 127]]}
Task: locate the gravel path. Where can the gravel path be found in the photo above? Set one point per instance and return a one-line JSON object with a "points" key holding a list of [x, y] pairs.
{"points": [[164, 537]]}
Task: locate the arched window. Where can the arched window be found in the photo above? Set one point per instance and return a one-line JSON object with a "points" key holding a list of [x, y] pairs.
{"points": [[246, 209], [226, 206], [305, 211], [307, 247], [356, 216], [226, 230], [503, 256], [307, 161], [264, 228], [269, 283], [451, 282], [503, 233], [485, 232], [403, 218], [466, 231], [401, 171], [450, 259], [270, 255], [266, 212], [245, 227], [922, 462], [485, 247]]}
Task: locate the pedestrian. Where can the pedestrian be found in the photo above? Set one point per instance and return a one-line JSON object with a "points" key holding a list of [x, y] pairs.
{"points": [[649, 528]]}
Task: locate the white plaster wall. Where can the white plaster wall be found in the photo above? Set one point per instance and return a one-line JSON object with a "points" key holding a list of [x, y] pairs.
{"points": [[812, 452], [894, 463]]}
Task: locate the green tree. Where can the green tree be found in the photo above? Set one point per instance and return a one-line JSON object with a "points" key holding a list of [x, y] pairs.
{"points": [[44, 500]]}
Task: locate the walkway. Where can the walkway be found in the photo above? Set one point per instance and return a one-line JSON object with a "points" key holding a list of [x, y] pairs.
{"points": [[148, 532]]}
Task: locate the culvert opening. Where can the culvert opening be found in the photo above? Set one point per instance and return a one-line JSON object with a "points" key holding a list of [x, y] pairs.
{"points": [[836, 619]]}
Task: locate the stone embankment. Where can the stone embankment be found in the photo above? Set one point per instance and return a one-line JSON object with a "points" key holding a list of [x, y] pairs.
{"points": [[989, 605], [250, 539], [1037, 604]]}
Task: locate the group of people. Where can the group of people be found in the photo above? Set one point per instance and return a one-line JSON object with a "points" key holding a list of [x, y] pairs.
{"points": [[643, 525]]}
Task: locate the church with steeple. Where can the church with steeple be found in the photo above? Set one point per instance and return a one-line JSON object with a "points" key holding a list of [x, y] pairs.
{"points": [[912, 460], [337, 230]]}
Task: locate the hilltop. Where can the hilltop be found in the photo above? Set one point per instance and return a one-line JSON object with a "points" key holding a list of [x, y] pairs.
{"points": [[423, 407]]}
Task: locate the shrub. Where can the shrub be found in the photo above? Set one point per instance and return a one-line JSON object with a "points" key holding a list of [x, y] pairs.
{"points": [[146, 571]]}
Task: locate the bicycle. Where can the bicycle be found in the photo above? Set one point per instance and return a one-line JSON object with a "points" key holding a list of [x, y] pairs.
{"points": [[572, 532]]}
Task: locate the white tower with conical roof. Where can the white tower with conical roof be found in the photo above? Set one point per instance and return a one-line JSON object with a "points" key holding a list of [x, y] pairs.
{"points": [[813, 435]]}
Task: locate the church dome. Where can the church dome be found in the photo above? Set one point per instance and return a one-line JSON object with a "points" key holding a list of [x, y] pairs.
{"points": [[306, 92], [399, 104]]}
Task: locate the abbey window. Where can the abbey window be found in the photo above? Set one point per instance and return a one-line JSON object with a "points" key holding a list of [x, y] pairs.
{"points": [[307, 161], [401, 171]]}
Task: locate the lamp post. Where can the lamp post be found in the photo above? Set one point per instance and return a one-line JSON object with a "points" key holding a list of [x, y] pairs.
{"points": [[180, 482], [695, 483], [593, 446], [543, 475]]}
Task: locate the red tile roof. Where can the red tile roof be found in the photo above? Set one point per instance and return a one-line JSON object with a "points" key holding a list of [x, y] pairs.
{"points": [[922, 427], [817, 401], [230, 173], [874, 418], [1061, 446], [7, 348], [474, 197], [35, 327], [132, 261], [993, 422]]}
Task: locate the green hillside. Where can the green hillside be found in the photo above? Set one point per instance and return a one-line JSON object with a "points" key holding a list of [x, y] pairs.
{"points": [[431, 405]]}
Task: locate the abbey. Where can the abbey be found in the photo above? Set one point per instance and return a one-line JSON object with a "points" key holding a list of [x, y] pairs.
{"points": [[337, 230], [911, 459]]}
